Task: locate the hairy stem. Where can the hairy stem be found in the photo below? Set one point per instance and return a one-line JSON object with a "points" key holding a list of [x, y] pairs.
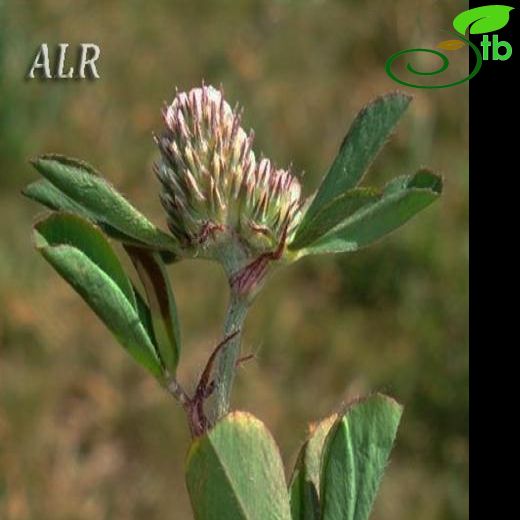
{"points": [[176, 390], [228, 356]]}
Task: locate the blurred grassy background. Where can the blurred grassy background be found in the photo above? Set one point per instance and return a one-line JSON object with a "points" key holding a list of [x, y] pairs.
{"points": [[85, 434]]}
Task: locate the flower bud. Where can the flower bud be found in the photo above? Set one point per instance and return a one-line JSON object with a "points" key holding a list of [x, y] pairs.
{"points": [[214, 190]]}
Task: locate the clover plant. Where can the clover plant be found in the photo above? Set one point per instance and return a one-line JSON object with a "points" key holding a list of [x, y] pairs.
{"points": [[226, 204]]}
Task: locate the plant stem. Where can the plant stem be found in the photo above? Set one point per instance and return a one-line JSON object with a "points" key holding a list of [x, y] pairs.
{"points": [[176, 390], [227, 359]]}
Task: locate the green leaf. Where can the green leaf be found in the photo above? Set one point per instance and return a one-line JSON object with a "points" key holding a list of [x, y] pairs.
{"points": [[145, 315], [71, 230], [165, 324], [83, 257], [46, 193], [484, 19], [366, 136], [305, 481], [332, 213], [355, 457], [402, 199], [99, 200], [235, 472]]}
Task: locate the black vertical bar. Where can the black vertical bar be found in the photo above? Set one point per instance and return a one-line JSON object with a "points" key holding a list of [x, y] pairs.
{"points": [[494, 232]]}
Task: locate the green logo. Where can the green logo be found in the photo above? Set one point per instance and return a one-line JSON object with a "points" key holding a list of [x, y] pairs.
{"points": [[480, 20]]}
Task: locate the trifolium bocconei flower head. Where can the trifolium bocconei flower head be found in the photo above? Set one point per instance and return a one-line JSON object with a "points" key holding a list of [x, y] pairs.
{"points": [[214, 189]]}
